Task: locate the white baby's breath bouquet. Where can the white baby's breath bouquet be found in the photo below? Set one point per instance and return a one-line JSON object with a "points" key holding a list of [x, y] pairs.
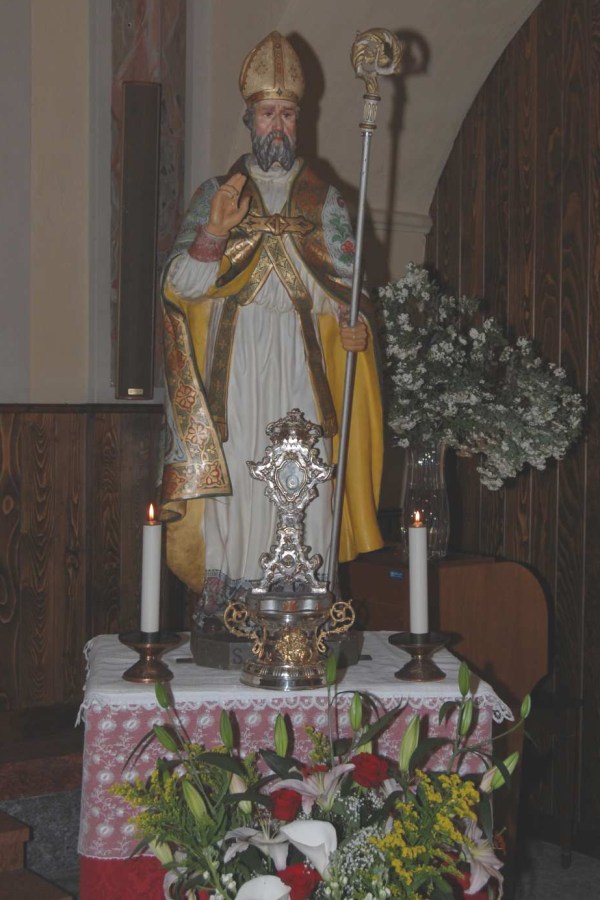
{"points": [[455, 378]]}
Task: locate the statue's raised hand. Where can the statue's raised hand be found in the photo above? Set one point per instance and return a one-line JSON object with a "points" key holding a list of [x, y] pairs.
{"points": [[228, 207]]}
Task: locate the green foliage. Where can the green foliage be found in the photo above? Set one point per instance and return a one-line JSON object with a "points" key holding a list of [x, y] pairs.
{"points": [[210, 815]]}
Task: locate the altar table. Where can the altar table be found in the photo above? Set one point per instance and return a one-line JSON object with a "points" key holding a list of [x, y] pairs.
{"points": [[118, 714]]}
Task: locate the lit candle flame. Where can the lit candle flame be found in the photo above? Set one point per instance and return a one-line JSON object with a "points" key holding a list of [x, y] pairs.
{"points": [[151, 516], [417, 517]]}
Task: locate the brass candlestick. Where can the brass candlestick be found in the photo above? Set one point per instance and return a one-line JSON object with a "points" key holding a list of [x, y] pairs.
{"points": [[149, 668], [421, 648]]}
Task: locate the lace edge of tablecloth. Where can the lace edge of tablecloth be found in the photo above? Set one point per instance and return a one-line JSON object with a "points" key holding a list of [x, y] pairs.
{"points": [[500, 711]]}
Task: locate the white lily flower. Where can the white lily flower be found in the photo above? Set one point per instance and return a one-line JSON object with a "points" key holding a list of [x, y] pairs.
{"points": [[275, 846], [483, 862], [318, 787], [266, 887], [237, 785], [316, 840]]}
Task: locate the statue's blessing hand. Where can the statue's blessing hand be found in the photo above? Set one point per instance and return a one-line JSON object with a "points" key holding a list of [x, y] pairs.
{"points": [[228, 207]]}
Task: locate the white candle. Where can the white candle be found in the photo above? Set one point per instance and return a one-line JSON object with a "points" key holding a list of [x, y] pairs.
{"points": [[417, 573], [151, 560]]}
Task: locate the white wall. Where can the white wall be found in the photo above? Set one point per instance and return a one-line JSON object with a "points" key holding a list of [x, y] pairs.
{"points": [[55, 152], [15, 101], [59, 285]]}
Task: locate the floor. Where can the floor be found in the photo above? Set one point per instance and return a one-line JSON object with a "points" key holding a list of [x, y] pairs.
{"points": [[543, 878]]}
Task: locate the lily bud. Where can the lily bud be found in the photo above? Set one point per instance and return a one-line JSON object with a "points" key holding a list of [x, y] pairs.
{"points": [[464, 679], [166, 738], [281, 736], [194, 801], [356, 711], [409, 742], [161, 851], [226, 730], [494, 779], [465, 717], [237, 785], [526, 706]]}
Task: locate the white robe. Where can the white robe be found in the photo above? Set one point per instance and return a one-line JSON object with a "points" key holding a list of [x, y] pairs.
{"points": [[268, 377]]}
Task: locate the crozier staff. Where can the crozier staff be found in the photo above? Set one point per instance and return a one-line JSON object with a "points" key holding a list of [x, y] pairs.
{"points": [[255, 297]]}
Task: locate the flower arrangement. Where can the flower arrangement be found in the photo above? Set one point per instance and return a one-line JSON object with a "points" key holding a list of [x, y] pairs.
{"points": [[455, 378], [346, 824]]}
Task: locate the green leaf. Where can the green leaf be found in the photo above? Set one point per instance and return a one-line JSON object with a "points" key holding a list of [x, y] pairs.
{"points": [[380, 724], [225, 730], [486, 818], [222, 761], [425, 748], [464, 679], [356, 711], [281, 736], [331, 669], [341, 746], [162, 694], [526, 706], [465, 717], [408, 744], [284, 766], [446, 709], [167, 738]]}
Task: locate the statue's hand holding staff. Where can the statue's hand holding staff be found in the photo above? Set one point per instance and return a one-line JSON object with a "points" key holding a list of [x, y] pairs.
{"points": [[228, 208], [354, 338]]}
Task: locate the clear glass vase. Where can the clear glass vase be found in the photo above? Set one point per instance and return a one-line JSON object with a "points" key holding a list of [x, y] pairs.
{"points": [[424, 489]]}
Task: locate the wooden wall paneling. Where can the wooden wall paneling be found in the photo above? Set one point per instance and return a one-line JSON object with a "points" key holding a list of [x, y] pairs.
{"points": [[521, 272], [499, 93], [447, 266], [70, 555], [10, 508], [548, 231], [574, 313], [542, 198], [105, 523], [546, 315], [37, 651], [591, 630], [471, 282], [448, 220]]}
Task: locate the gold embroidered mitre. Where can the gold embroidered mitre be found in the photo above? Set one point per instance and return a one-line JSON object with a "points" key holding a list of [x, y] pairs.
{"points": [[272, 71]]}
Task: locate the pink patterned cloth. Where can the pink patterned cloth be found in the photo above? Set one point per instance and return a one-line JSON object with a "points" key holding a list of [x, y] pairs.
{"points": [[118, 715]]}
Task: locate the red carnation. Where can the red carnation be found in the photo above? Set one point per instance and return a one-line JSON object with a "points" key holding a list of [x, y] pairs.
{"points": [[369, 770], [348, 247], [286, 804], [301, 879]]}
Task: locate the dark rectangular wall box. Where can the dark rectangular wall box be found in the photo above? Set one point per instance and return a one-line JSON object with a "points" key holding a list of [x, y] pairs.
{"points": [[138, 241]]}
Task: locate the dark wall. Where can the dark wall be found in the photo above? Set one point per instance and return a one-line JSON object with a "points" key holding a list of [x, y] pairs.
{"points": [[75, 484], [517, 221]]}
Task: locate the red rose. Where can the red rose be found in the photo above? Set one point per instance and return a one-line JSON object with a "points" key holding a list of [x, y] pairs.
{"points": [[286, 804], [348, 247], [369, 770], [301, 879]]}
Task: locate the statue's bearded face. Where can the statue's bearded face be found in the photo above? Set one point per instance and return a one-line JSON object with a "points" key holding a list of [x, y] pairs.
{"points": [[273, 127]]}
